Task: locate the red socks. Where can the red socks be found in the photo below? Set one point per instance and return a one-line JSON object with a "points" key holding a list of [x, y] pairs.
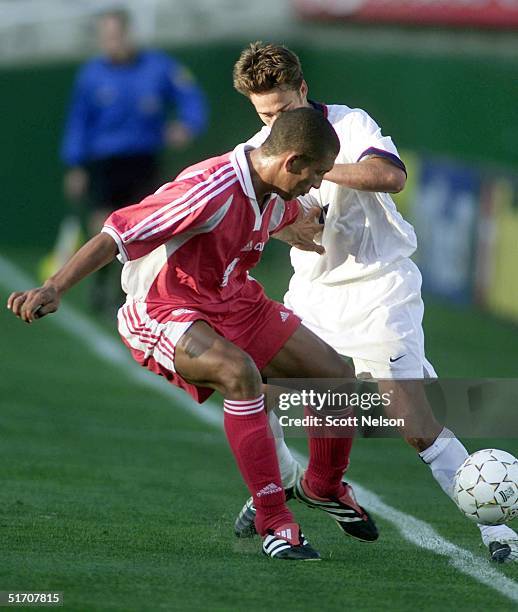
{"points": [[329, 451], [249, 436]]}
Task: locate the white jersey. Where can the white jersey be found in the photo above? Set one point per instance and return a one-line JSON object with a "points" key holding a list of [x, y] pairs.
{"points": [[363, 231]]}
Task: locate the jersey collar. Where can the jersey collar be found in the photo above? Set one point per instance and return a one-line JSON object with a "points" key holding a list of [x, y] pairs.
{"points": [[319, 107], [240, 163]]}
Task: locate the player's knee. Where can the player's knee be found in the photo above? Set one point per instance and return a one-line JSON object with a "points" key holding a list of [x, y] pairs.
{"points": [[338, 368], [240, 376]]}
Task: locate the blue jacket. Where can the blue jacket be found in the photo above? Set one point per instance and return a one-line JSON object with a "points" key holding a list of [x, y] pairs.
{"points": [[123, 109]]}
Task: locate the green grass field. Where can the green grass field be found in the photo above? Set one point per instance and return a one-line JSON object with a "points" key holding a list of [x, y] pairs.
{"points": [[124, 500]]}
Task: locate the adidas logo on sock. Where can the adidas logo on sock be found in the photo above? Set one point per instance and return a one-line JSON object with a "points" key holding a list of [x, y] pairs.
{"points": [[284, 533], [284, 315], [269, 490]]}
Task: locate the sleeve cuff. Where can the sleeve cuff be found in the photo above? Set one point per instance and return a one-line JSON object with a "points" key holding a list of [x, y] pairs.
{"points": [[375, 152], [123, 254]]}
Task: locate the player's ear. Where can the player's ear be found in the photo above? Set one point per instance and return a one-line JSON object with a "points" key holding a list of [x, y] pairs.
{"points": [[304, 90], [293, 163]]}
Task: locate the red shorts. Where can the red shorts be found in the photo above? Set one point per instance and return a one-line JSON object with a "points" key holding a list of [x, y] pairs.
{"points": [[258, 326]]}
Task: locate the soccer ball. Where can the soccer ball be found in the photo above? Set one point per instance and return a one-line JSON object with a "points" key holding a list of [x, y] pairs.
{"points": [[486, 487]]}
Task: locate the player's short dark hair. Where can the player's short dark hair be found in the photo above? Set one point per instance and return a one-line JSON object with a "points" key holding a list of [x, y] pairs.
{"points": [[304, 130], [121, 15], [265, 66]]}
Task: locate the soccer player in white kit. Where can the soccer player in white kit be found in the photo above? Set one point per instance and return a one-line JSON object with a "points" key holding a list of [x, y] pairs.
{"points": [[363, 295]]}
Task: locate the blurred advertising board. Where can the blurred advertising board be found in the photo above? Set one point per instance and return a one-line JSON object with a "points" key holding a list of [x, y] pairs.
{"points": [[483, 13], [496, 276], [445, 215], [466, 221]]}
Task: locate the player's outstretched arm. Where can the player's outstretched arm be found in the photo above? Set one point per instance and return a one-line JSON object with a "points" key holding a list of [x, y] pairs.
{"points": [[301, 233], [36, 303], [374, 174]]}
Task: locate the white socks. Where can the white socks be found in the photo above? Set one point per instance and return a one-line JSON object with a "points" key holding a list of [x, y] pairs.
{"points": [[496, 533], [444, 457], [290, 469]]}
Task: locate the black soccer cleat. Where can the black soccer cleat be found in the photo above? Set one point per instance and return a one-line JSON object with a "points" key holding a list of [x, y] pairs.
{"points": [[352, 519], [244, 527], [500, 552], [288, 543]]}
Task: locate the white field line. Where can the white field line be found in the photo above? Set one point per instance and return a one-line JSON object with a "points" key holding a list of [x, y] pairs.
{"points": [[109, 350], [423, 535], [104, 346]]}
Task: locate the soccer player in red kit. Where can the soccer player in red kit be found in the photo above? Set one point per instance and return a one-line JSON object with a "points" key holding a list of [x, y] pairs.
{"points": [[195, 316]]}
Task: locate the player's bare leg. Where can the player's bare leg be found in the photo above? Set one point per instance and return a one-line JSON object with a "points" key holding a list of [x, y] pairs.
{"points": [[409, 402], [442, 451], [203, 357], [297, 359]]}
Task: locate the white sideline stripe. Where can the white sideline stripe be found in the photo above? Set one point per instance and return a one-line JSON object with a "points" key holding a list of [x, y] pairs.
{"points": [[105, 347], [411, 529], [421, 534]]}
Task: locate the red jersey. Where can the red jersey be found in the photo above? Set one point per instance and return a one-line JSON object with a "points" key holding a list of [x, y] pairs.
{"points": [[192, 243]]}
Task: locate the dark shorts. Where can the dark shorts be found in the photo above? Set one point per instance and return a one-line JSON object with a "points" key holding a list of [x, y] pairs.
{"points": [[116, 182]]}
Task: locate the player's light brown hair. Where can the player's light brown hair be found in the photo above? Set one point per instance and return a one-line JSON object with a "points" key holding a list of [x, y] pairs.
{"points": [[304, 131], [264, 66]]}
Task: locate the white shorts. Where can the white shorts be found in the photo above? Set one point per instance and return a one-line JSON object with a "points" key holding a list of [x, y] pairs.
{"points": [[377, 321]]}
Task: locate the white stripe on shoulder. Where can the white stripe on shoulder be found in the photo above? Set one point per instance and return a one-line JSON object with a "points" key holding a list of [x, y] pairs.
{"points": [[162, 188], [182, 209], [169, 220], [192, 174], [220, 175]]}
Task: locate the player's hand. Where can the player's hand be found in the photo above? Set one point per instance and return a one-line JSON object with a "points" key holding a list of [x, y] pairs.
{"points": [[301, 234], [75, 184], [35, 303], [177, 135]]}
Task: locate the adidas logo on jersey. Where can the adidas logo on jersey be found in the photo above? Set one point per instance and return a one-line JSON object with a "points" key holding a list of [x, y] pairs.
{"points": [[181, 311], [259, 246], [284, 315], [269, 490]]}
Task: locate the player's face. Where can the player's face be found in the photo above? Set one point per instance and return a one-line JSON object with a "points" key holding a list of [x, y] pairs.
{"points": [[301, 176], [271, 104], [113, 38]]}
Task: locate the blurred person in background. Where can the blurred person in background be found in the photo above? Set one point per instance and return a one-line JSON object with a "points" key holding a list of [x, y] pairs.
{"points": [[119, 123]]}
